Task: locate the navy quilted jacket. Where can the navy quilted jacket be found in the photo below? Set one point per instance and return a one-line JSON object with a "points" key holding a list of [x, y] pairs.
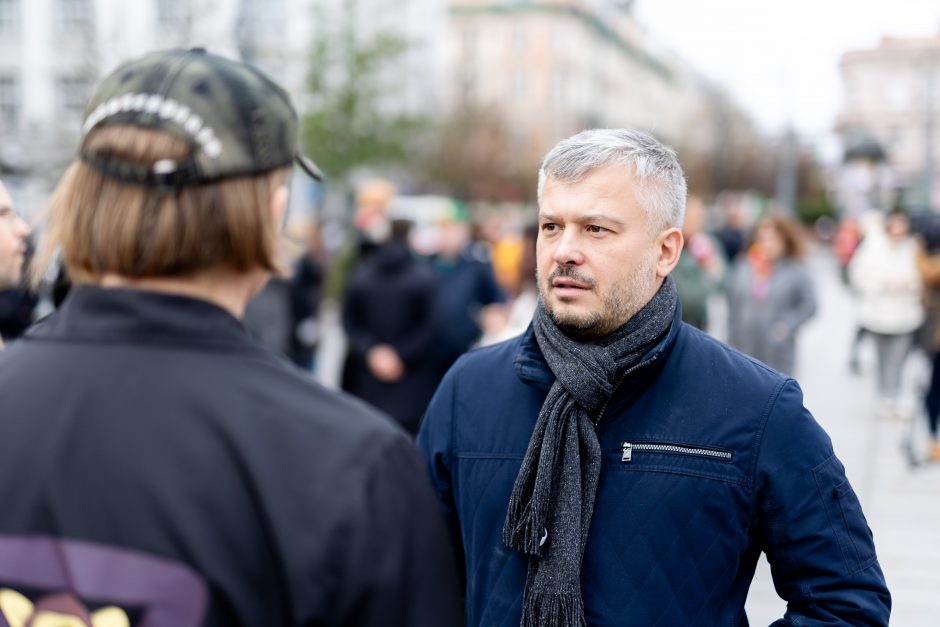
{"points": [[710, 458]]}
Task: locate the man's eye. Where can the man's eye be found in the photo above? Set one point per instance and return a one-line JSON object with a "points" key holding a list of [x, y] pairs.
{"points": [[549, 226], [593, 228]]}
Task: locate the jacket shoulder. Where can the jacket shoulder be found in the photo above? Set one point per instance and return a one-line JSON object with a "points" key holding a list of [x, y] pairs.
{"points": [[702, 353], [484, 358]]}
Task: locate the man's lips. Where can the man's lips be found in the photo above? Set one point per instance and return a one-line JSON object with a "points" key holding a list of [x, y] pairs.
{"points": [[565, 283]]}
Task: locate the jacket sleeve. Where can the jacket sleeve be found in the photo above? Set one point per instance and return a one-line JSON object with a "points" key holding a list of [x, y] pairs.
{"points": [[860, 269], [414, 345], [398, 567], [929, 267], [488, 289], [803, 305], [435, 440], [811, 526], [359, 339], [737, 286]]}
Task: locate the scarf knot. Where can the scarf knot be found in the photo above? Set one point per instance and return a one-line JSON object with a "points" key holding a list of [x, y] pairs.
{"points": [[552, 500]]}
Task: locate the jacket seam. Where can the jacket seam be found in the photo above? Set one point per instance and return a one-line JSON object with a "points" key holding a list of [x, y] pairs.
{"points": [[681, 472], [759, 436], [475, 455], [452, 454]]}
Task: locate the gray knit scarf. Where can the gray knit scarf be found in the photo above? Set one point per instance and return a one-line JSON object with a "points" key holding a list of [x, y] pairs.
{"points": [[553, 498]]}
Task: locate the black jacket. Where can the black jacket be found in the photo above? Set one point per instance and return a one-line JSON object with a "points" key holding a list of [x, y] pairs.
{"points": [[390, 299], [153, 457]]}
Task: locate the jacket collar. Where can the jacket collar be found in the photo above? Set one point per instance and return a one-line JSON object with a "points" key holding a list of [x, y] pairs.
{"points": [[99, 314], [531, 367]]}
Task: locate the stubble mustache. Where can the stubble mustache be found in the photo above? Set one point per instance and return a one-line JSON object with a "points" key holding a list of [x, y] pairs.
{"points": [[569, 272]]}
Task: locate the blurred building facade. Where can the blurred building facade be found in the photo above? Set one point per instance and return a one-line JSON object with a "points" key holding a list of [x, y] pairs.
{"points": [[547, 68], [889, 122], [53, 51], [554, 67]]}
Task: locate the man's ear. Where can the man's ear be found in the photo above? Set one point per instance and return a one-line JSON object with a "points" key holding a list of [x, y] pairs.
{"points": [[668, 248], [279, 200]]}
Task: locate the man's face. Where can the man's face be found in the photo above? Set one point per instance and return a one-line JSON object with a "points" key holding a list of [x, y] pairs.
{"points": [[13, 232], [597, 254]]}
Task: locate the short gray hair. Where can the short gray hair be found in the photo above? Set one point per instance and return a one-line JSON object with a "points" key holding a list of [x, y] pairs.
{"points": [[661, 190]]}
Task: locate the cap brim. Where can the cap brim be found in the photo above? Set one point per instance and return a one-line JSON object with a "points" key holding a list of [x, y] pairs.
{"points": [[307, 165]]}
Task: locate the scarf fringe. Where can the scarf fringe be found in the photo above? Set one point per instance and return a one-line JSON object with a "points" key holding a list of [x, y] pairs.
{"points": [[523, 530], [552, 609]]}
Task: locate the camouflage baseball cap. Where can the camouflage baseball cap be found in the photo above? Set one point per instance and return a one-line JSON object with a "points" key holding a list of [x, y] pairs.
{"points": [[237, 120]]}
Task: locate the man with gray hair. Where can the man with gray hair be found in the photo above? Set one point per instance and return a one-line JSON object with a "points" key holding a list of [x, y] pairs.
{"points": [[645, 466]]}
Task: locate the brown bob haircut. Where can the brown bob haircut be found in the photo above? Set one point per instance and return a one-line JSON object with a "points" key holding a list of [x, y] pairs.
{"points": [[793, 247], [103, 225]]}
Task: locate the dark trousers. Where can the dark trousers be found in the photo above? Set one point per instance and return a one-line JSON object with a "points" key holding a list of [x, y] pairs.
{"points": [[932, 400]]}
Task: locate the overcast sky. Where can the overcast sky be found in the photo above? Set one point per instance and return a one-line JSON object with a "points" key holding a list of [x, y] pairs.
{"points": [[780, 58]]}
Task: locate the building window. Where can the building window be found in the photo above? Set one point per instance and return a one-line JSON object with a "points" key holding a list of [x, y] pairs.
{"points": [[262, 18], [74, 16], [467, 88], [519, 86], [9, 101], [72, 93], [170, 14], [9, 16], [560, 87], [469, 36], [260, 23], [518, 37]]}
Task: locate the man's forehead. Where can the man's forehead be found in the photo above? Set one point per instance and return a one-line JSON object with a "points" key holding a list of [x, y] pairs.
{"points": [[612, 189]]}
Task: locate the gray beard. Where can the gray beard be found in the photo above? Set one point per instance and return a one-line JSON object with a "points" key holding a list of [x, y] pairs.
{"points": [[617, 306]]}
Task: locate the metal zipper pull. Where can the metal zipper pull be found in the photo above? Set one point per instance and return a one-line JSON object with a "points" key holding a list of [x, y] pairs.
{"points": [[627, 452]]}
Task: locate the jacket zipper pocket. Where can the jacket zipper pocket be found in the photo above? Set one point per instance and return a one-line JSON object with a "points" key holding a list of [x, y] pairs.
{"points": [[673, 449]]}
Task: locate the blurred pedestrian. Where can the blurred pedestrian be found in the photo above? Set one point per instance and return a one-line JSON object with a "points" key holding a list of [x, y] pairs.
{"points": [[615, 466], [466, 288], [155, 461], [928, 263], [283, 317], [306, 294], [883, 273], [370, 229], [267, 316], [771, 295], [701, 269], [845, 242], [13, 233], [515, 317], [732, 233], [389, 319]]}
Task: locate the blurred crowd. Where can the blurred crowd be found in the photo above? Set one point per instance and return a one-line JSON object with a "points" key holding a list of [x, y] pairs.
{"points": [[417, 289]]}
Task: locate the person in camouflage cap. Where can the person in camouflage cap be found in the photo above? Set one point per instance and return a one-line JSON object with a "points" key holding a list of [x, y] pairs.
{"points": [[158, 466]]}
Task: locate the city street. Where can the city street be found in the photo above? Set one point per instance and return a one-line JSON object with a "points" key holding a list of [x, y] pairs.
{"points": [[902, 502]]}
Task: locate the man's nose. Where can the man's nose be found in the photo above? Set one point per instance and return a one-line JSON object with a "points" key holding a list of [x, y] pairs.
{"points": [[569, 250]]}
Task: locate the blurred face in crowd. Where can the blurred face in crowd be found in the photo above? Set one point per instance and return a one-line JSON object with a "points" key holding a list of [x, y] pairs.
{"points": [[897, 226], [694, 217], [454, 236], [13, 232], [770, 240], [599, 258]]}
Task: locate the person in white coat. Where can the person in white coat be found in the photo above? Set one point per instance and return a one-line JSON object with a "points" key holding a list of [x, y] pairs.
{"points": [[883, 272]]}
